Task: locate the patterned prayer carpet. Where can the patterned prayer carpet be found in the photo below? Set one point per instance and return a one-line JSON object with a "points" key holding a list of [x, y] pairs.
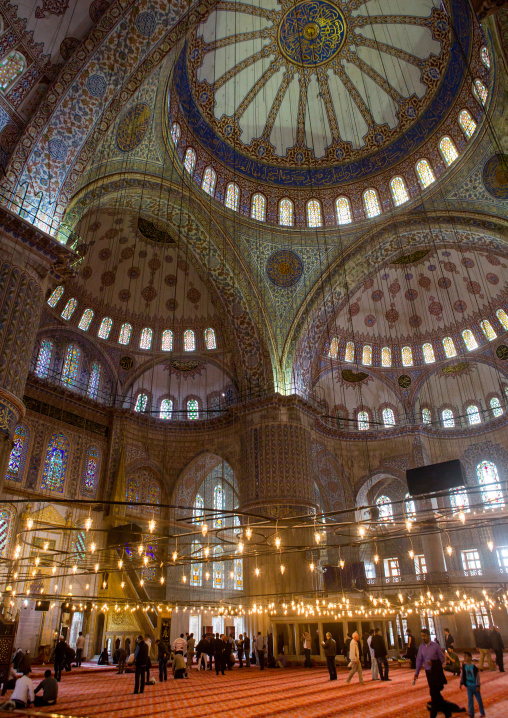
{"points": [[250, 693]]}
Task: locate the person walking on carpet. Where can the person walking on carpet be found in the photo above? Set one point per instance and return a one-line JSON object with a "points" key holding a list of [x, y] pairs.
{"points": [[430, 656], [141, 661], [380, 652], [471, 679], [373, 663], [354, 657], [330, 652]]}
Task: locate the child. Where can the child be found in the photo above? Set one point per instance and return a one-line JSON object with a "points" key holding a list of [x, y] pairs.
{"points": [[471, 679]]}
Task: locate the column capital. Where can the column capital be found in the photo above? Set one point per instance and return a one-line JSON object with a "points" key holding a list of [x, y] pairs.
{"points": [[12, 411]]}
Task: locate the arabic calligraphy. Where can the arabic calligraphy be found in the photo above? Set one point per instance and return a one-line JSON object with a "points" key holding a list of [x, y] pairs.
{"points": [[311, 33]]}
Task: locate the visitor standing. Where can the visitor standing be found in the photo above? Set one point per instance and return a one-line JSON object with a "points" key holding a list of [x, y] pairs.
{"points": [[239, 650], [190, 650], [211, 651], [374, 669], [307, 645], [449, 639], [246, 650], [219, 654], [49, 688], [148, 642], [60, 654], [471, 679], [431, 658], [497, 644], [141, 661], [330, 648], [380, 653], [122, 657], [411, 649], [260, 649], [366, 650], [354, 657], [484, 647], [80, 644], [202, 650], [162, 657]]}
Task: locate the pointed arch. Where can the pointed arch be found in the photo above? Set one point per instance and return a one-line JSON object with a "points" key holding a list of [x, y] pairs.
{"points": [[18, 455], [55, 463], [90, 478]]}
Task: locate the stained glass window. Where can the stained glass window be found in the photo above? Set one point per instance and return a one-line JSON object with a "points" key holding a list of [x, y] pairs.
{"points": [[488, 478], [388, 417], [363, 421], [44, 358], [10, 68], [5, 531], [210, 339], [209, 179], [333, 351], [78, 547], [503, 318], [480, 91], [385, 508], [166, 409], [448, 150], [153, 496], [469, 339], [258, 208], [189, 341], [367, 355], [473, 414], [286, 212], [467, 123], [426, 415], [449, 347], [146, 338], [55, 463], [407, 356], [343, 210], [175, 133], [132, 490], [425, 173], [428, 353], [496, 407], [349, 354], [484, 54], [125, 334], [86, 319], [238, 574], [71, 365], [399, 191], [192, 409], [371, 203], [410, 507], [167, 340], [386, 356], [488, 330], [190, 160], [56, 296], [105, 328], [448, 418], [141, 402], [459, 500], [218, 569], [196, 577], [18, 454], [218, 505], [69, 309], [232, 197], [199, 509], [94, 380], [91, 471]]}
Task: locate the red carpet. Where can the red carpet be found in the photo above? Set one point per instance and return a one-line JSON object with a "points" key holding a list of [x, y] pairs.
{"points": [[252, 693]]}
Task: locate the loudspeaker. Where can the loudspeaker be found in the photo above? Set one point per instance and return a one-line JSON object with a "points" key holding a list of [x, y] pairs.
{"points": [[350, 577], [435, 477]]}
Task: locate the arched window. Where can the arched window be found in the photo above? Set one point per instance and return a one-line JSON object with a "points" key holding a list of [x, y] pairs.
{"points": [[166, 409], [503, 318], [488, 479], [473, 414], [69, 309], [141, 403], [18, 454], [132, 490], [469, 339], [480, 92], [71, 365], [314, 216], [488, 330], [190, 160], [459, 500], [343, 210], [349, 354], [196, 577], [167, 340], [448, 418], [153, 497], [449, 347], [371, 203], [11, 68], [428, 353], [199, 509], [209, 179], [448, 150], [410, 508], [91, 471], [146, 338], [333, 351], [125, 334], [175, 133], [192, 409], [467, 123], [56, 296], [286, 212], [218, 568], [484, 54], [495, 405], [388, 417], [94, 380], [258, 208], [232, 196], [86, 319], [5, 531], [386, 356], [105, 328], [426, 415], [425, 173], [407, 356], [55, 463], [367, 355], [44, 358], [218, 505], [189, 341], [399, 191], [363, 421], [210, 339], [238, 574], [385, 508]]}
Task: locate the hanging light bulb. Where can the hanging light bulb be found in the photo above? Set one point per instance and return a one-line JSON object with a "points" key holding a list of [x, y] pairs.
{"points": [[46, 545], [256, 571], [376, 558], [162, 579], [122, 585], [462, 517], [53, 570], [140, 549], [317, 537], [141, 583], [174, 556], [37, 560], [231, 574], [120, 563], [409, 524], [207, 551], [88, 523], [361, 531], [96, 567], [342, 563], [17, 551], [282, 568], [145, 560], [74, 569], [207, 576], [449, 550], [29, 524], [151, 526], [240, 547], [184, 578], [411, 554], [490, 544], [248, 532], [277, 541], [93, 547], [312, 567]]}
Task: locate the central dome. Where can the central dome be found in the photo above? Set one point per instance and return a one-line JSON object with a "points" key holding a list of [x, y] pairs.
{"points": [[311, 33]]}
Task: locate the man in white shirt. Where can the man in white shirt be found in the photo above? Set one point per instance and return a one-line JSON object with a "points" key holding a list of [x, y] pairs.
{"points": [[354, 657], [260, 648], [374, 668], [23, 693], [180, 645], [80, 644], [148, 642]]}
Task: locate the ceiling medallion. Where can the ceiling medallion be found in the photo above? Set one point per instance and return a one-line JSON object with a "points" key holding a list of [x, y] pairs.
{"points": [[495, 176], [502, 352], [126, 363], [284, 268], [404, 381], [311, 33]]}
